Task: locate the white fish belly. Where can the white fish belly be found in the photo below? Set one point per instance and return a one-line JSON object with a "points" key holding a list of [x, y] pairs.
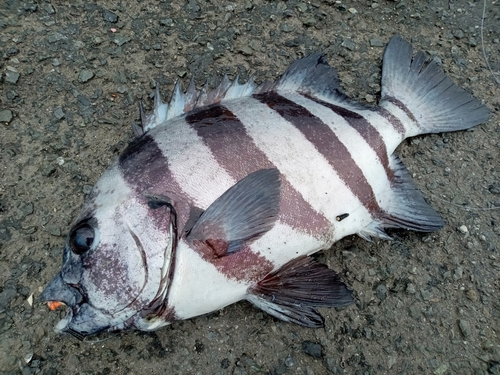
{"points": [[198, 287]]}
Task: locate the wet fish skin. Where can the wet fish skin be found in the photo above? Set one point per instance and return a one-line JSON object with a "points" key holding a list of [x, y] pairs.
{"points": [[225, 194]]}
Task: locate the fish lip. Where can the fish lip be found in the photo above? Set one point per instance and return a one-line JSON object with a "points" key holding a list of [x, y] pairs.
{"points": [[79, 321], [58, 290], [73, 296]]}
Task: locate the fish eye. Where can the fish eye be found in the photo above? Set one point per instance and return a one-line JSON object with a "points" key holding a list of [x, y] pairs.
{"points": [[81, 239]]}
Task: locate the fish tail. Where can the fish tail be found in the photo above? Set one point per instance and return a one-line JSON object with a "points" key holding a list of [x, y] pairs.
{"points": [[420, 92]]}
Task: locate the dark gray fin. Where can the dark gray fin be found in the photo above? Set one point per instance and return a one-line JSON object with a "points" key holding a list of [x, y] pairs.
{"points": [[433, 100], [241, 215], [312, 76], [138, 130], [408, 208], [292, 292]]}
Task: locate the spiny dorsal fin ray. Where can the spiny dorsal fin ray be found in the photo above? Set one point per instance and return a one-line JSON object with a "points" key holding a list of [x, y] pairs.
{"points": [[311, 75], [159, 114], [176, 105], [191, 97]]}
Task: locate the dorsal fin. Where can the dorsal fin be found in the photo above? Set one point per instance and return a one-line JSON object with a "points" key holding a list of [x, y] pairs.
{"points": [[311, 75]]}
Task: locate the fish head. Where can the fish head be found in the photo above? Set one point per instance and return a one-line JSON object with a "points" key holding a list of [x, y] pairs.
{"points": [[116, 260]]}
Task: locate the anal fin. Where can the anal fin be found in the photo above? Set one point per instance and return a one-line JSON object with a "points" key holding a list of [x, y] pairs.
{"points": [[408, 208], [292, 292]]}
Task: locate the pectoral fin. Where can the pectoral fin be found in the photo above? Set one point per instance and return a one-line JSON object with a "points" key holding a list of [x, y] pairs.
{"points": [[241, 215], [292, 292]]}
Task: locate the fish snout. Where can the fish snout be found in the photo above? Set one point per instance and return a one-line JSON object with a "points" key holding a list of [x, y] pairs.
{"points": [[58, 291]]}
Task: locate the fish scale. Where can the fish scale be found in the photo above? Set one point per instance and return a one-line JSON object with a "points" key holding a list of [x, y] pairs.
{"points": [[225, 194]]}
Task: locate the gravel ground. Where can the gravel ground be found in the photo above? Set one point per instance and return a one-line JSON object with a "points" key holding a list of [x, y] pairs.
{"points": [[71, 76]]}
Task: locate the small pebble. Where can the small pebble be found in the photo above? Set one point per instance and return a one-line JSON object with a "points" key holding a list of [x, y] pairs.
{"points": [[49, 9], [59, 113], [426, 295], [55, 37], [381, 292], [109, 16], [31, 7], [464, 327], [247, 51], [414, 311], [289, 361], [375, 42], [459, 34], [349, 44], [5, 115], [11, 75], [463, 229], [311, 21], [166, 22], [441, 369], [286, 28], [313, 349], [352, 10], [120, 40], [122, 89], [302, 7], [410, 288], [459, 271], [85, 76]]}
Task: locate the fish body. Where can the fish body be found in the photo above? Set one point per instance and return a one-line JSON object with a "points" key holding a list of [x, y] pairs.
{"points": [[224, 194]]}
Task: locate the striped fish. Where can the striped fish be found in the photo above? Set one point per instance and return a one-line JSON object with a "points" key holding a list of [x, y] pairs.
{"points": [[225, 194]]}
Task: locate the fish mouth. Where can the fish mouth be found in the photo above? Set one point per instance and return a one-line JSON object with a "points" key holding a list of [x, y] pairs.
{"points": [[82, 319]]}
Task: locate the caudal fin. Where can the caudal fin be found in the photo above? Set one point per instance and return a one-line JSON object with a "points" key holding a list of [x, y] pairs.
{"points": [[424, 94]]}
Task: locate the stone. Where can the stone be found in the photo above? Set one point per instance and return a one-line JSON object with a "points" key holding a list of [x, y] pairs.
{"points": [[85, 76], [6, 115], [313, 349], [464, 327]]}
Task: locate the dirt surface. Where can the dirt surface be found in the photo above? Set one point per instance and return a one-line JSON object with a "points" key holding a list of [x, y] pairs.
{"points": [[71, 79]]}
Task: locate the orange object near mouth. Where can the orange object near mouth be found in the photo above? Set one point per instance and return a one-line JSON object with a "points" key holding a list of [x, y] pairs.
{"points": [[54, 305]]}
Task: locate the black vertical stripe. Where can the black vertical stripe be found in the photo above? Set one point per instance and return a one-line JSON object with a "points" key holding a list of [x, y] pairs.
{"points": [[392, 118], [327, 143], [146, 171], [369, 133]]}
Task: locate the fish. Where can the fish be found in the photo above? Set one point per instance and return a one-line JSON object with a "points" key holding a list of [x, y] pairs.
{"points": [[225, 194]]}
